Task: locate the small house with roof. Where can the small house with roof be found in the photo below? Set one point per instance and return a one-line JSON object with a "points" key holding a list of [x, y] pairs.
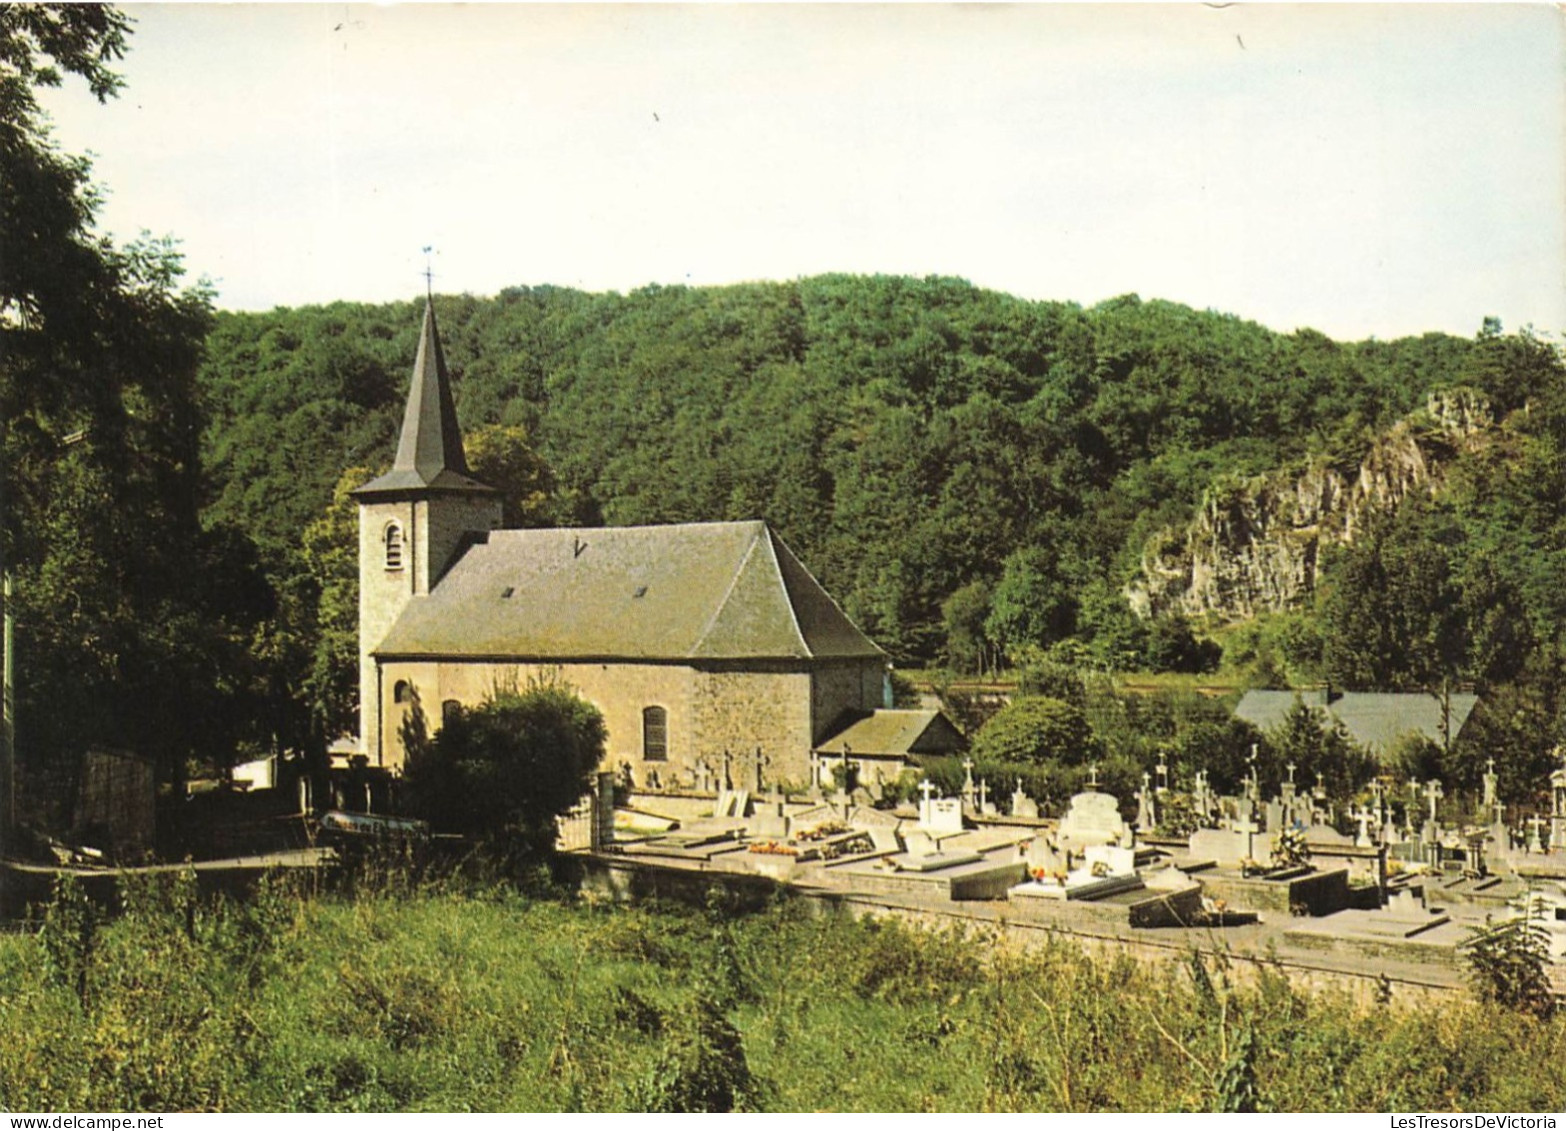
{"points": [[695, 640], [878, 744], [1373, 719]]}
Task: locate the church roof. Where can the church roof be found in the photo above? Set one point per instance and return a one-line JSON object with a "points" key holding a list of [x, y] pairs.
{"points": [[429, 451], [1374, 719], [708, 591]]}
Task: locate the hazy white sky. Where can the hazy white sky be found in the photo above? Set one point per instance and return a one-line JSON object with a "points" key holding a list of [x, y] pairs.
{"points": [[1365, 170]]}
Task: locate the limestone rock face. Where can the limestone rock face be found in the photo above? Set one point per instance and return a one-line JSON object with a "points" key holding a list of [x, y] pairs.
{"points": [[1255, 544]]}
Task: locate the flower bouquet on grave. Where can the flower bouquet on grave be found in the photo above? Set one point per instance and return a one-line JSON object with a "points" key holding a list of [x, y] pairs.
{"points": [[848, 845], [772, 848], [1289, 849], [823, 830], [1249, 867]]}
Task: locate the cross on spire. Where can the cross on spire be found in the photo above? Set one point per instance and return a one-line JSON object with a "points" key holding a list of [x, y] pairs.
{"points": [[429, 272]]}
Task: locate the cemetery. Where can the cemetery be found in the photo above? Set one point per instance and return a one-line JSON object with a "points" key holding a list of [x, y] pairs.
{"points": [[1393, 885]]}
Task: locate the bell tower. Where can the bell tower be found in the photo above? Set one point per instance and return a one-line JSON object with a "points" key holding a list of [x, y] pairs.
{"points": [[413, 521]]}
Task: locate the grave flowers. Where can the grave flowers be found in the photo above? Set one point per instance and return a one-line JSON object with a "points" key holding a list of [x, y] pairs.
{"points": [[1289, 849], [823, 830]]}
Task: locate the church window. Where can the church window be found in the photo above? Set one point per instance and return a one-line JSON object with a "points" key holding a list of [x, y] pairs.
{"points": [[655, 734], [402, 692], [393, 546], [449, 710]]}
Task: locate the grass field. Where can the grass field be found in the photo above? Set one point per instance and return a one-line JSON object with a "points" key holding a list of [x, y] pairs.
{"points": [[470, 998]]}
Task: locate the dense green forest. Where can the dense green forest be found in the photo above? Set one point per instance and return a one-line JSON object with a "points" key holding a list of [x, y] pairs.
{"points": [[912, 439], [974, 476]]}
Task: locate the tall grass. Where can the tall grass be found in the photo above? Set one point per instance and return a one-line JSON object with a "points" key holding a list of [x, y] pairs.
{"points": [[466, 998]]}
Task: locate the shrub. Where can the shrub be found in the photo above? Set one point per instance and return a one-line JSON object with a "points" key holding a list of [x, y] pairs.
{"points": [[1508, 964], [1037, 730], [506, 770]]}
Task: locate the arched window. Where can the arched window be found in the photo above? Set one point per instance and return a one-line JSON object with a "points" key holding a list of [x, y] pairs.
{"points": [[655, 734], [402, 692], [449, 710], [393, 546]]}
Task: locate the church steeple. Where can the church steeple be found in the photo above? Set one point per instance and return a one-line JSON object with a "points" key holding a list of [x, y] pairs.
{"points": [[414, 522], [429, 452]]}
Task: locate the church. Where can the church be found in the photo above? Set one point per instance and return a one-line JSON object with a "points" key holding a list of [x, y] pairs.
{"points": [[703, 644]]}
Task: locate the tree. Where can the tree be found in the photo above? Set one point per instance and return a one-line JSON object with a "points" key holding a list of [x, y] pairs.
{"points": [[506, 770], [1032, 603], [1037, 730], [1173, 647], [1508, 963], [502, 456], [133, 624], [962, 614], [330, 557], [1415, 605], [1314, 744]]}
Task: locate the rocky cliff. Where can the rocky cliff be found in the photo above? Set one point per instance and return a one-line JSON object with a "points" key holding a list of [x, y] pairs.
{"points": [[1255, 545]]}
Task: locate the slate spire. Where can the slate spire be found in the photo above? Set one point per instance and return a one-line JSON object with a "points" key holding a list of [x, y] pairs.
{"points": [[429, 451], [431, 441]]}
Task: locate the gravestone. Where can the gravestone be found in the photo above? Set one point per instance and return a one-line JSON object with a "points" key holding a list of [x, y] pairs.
{"points": [[1092, 818], [941, 815], [1202, 799], [770, 822], [1329, 836], [1041, 855], [1111, 859], [1106, 870], [1146, 807], [1221, 846], [917, 842], [1558, 804], [1022, 805]]}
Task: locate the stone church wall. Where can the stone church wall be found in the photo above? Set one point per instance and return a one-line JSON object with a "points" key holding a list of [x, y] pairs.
{"points": [[383, 593], [620, 691], [739, 710], [855, 686], [708, 710]]}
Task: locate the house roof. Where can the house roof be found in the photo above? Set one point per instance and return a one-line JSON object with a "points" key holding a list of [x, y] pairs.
{"points": [[1372, 718], [892, 733], [429, 450], [707, 591]]}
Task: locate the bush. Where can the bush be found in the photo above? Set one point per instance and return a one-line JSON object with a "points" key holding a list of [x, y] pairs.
{"points": [[1035, 731], [1508, 964], [504, 771]]}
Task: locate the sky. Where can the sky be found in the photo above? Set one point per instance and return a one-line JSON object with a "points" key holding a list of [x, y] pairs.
{"points": [[1363, 170]]}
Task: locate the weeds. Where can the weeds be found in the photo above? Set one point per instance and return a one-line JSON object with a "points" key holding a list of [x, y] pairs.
{"points": [[451, 995]]}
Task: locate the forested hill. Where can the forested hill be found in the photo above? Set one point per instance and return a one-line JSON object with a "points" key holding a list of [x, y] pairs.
{"points": [[968, 472]]}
